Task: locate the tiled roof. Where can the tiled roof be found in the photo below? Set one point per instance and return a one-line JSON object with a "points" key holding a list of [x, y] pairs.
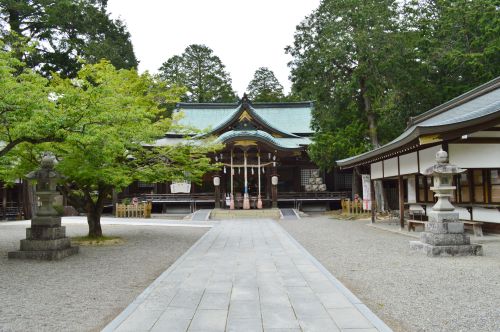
{"points": [[478, 105], [294, 118]]}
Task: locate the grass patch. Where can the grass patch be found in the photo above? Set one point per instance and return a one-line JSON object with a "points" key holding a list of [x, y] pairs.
{"points": [[97, 241]]}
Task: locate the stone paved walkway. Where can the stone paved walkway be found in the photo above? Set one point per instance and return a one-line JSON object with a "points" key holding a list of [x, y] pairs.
{"points": [[247, 276]]}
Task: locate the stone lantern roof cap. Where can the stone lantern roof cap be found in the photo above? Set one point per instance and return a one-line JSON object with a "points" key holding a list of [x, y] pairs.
{"points": [[46, 171], [443, 166]]}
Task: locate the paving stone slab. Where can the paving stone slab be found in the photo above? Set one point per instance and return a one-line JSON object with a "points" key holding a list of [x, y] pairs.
{"points": [[247, 275]]}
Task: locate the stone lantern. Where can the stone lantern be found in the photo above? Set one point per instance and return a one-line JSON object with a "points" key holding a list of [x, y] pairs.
{"points": [[46, 239], [444, 233]]}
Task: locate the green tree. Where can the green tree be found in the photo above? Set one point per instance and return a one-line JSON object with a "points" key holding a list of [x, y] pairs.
{"points": [[202, 73], [27, 113], [347, 56], [265, 87], [458, 43], [65, 31], [114, 143], [102, 126]]}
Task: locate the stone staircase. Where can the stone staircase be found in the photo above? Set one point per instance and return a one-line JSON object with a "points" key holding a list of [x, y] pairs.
{"points": [[219, 214]]}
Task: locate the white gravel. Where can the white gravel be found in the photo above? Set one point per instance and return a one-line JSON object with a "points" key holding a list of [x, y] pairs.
{"points": [[408, 290], [86, 291]]}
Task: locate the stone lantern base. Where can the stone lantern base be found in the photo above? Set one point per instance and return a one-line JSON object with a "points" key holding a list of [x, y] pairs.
{"points": [[445, 238], [45, 242]]}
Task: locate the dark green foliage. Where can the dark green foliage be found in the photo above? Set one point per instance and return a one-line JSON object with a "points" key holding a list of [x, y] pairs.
{"points": [[66, 30], [371, 65], [202, 73], [265, 87]]}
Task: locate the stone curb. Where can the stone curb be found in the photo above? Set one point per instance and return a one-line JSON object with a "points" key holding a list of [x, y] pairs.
{"points": [[113, 325], [374, 319]]}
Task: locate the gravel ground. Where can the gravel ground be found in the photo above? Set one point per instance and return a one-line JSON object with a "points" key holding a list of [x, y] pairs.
{"points": [[86, 291], [409, 291]]}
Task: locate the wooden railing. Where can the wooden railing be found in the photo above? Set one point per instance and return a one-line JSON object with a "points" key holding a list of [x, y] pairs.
{"points": [[140, 210], [10, 212], [352, 207]]}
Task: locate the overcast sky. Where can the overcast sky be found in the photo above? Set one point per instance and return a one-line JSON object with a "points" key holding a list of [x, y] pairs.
{"points": [[244, 34]]}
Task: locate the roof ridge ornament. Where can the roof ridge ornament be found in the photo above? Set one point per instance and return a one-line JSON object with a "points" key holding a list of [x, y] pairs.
{"points": [[245, 101]]}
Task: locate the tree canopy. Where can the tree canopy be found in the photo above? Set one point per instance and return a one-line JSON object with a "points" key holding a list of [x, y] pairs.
{"points": [[27, 113], [370, 65], [202, 73], [111, 141], [265, 87], [66, 31]]}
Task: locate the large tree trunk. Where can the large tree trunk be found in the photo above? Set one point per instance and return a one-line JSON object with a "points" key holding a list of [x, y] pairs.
{"points": [[356, 183], [370, 115], [373, 133], [94, 221], [94, 210]]}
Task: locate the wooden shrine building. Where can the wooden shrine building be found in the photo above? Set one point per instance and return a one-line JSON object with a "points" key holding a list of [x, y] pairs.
{"points": [[264, 160], [468, 128]]}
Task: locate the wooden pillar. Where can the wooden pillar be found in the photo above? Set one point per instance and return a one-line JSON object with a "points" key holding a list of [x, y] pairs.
{"points": [[372, 198], [274, 194], [217, 197], [401, 202]]}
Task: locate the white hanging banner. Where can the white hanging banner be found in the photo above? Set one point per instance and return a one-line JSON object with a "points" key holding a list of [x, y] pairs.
{"points": [[367, 202], [412, 190]]}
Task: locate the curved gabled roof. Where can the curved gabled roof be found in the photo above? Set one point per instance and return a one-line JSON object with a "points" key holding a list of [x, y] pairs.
{"points": [[289, 119], [259, 135]]}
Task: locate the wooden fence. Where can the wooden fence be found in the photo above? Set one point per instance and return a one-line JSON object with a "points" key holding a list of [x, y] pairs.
{"points": [[140, 210], [351, 207]]}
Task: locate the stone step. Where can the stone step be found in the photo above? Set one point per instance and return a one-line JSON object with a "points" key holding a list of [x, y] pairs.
{"points": [[245, 214]]}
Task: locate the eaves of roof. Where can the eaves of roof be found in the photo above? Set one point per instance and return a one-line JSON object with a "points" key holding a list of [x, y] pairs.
{"points": [[440, 120]]}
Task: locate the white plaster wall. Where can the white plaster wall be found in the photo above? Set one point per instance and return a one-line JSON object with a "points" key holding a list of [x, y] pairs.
{"points": [[391, 167], [488, 215], [428, 157], [408, 163], [376, 170], [475, 155]]}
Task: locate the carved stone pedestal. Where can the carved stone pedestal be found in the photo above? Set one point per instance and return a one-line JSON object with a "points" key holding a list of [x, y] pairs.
{"points": [[45, 243], [446, 239]]}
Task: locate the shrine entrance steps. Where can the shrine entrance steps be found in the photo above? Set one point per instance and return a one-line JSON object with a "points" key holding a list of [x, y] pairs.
{"points": [[222, 214], [202, 215], [289, 214]]}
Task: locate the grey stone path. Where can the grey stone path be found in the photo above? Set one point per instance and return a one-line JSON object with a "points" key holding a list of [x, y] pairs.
{"points": [[247, 275], [201, 215], [289, 214]]}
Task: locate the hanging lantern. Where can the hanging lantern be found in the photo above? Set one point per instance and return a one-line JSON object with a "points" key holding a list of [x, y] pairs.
{"points": [[263, 170], [252, 170], [216, 158], [221, 156], [274, 164], [224, 169], [239, 170], [216, 181]]}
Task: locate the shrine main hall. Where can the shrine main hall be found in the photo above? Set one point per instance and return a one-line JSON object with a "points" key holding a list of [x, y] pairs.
{"points": [[264, 160]]}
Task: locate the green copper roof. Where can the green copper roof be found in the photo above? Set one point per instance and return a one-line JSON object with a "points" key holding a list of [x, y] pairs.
{"points": [[282, 143], [293, 118]]}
